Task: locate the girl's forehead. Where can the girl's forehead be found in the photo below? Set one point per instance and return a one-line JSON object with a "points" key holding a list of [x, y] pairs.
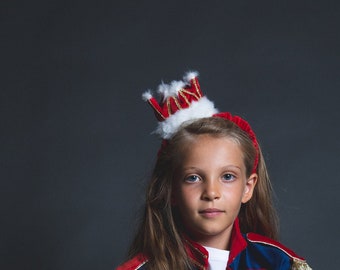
{"points": [[203, 139], [206, 147], [187, 145]]}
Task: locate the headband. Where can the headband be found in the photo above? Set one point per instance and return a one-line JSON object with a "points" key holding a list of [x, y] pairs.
{"points": [[182, 101]]}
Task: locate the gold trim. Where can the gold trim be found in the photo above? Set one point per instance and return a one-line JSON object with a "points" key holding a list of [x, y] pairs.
{"points": [[197, 88], [184, 97], [300, 265], [192, 94], [168, 106], [177, 103], [156, 110]]}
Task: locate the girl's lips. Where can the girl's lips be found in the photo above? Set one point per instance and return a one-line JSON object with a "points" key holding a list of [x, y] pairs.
{"points": [[211, 212]]}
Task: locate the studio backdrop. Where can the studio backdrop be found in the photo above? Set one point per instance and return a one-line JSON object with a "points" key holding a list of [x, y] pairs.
{"points": [[76, 143]]}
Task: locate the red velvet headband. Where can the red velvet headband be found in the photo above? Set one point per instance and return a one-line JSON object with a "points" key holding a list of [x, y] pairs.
{"points": [[244, 125], [182, 101]]}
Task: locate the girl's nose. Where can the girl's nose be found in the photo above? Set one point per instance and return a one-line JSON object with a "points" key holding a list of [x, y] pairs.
{"points": [[211, 191]]}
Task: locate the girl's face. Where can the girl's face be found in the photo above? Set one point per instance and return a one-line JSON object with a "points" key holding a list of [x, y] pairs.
{"points": [[209, 188]]}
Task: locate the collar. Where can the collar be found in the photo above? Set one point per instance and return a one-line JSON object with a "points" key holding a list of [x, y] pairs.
{"points": [[199, 255]]}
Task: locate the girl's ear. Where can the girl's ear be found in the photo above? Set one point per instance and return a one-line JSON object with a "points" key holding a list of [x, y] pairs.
{"points": [[249, 188]]}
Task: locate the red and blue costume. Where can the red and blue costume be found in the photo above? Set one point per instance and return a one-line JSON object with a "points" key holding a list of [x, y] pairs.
{"points": [[247, 252]]}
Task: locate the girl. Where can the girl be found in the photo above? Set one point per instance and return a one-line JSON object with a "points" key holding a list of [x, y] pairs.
{"points": [[208, 204]]}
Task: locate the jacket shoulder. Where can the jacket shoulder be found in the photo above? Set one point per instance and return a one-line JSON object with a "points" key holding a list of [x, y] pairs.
{"points": [[136, 263], [298, 263]]}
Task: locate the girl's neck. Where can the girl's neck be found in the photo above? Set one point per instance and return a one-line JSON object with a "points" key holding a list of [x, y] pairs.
{"points": [[214, 241]]}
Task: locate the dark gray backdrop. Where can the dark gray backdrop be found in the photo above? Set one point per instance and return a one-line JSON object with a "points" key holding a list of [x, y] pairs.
{"points": [[76, 148]]}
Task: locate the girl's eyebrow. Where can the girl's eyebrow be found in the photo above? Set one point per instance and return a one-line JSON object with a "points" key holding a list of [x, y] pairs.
{"points": [[227, 167], [233, 166], [190, 168]]}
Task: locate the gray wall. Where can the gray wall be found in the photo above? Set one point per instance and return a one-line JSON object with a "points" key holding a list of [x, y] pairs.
{"points": [[76, 148]]}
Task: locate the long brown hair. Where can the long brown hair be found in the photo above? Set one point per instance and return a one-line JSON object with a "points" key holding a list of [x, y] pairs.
{"points": [[159, 234]]}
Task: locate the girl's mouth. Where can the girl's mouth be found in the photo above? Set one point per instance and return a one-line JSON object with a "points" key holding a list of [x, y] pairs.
{"points": [[211, 212]]}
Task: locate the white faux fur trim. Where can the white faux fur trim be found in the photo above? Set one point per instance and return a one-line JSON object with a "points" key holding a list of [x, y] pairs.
{"points": [[198, 109]]}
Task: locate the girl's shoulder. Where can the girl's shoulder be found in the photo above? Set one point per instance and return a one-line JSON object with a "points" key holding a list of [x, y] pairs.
{"points": [[136, 263], [266, 246]]}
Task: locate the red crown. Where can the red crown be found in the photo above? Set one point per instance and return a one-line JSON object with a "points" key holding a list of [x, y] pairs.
{"points": [[176, 96], [180, 101]]}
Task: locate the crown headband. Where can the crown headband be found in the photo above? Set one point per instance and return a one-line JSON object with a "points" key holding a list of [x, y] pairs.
{"points": [[182, 101]]}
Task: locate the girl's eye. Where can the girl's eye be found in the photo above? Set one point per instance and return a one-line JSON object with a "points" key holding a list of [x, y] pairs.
{"points": [[192, 178], [228, 177]]}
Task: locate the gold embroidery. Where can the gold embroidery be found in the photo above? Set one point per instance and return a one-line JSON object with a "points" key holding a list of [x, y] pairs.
{"points": [[300, 265], [177, 103], [197, 89], [156, 110], [191, 94], [184, 97], [168, 106]]}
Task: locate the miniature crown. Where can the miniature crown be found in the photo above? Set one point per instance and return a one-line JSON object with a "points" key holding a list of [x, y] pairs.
{"points": [[181, 101]]}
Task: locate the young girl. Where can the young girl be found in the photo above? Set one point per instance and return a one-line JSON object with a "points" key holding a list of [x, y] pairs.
{"points": [[208, 204]]}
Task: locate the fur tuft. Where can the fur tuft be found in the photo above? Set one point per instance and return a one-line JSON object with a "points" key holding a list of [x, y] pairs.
{"points": [[147, 95], [168, 90], [190, 75]]}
